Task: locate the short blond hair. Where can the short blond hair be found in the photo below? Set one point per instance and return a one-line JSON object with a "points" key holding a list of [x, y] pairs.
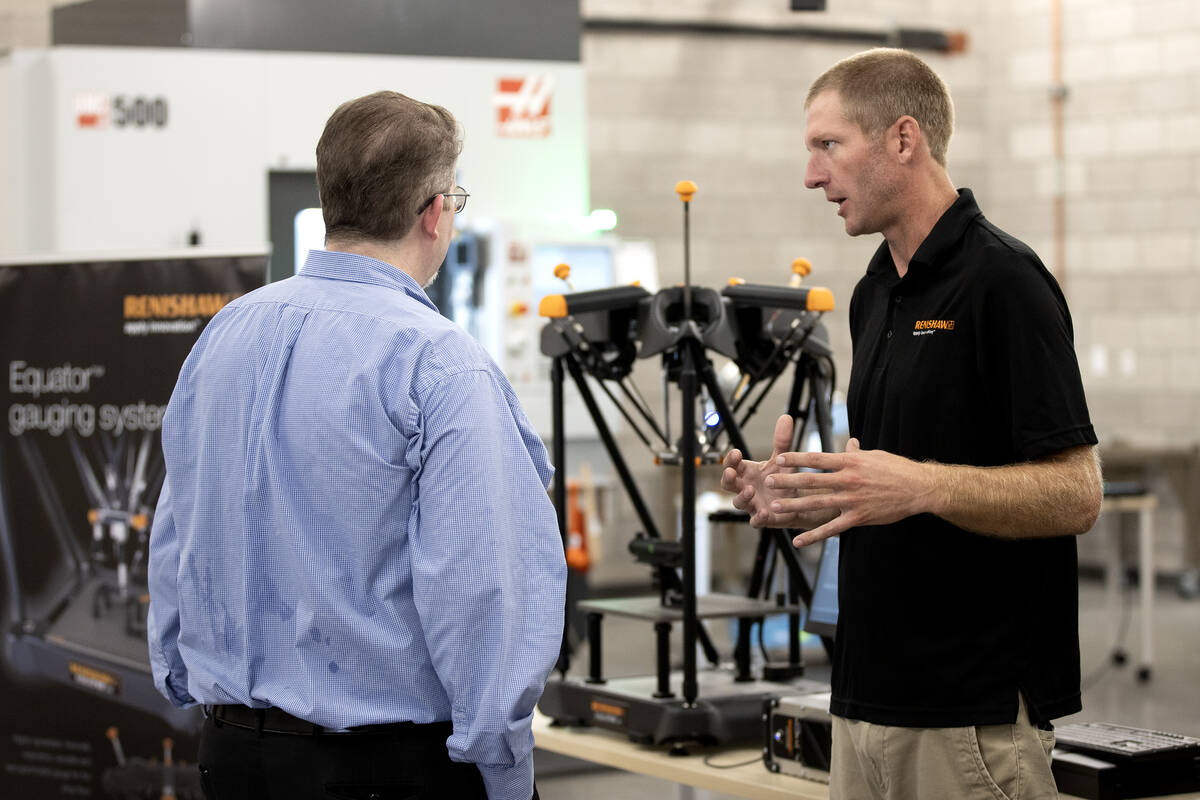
{"points": [[877, 87]]}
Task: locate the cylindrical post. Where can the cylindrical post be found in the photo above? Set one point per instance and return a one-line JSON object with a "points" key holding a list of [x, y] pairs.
{"points": [[662, 634], [686, 190], [1146, 585], [559, 445], [687, 385], [741, 653], [595, 670], [687, 263]]}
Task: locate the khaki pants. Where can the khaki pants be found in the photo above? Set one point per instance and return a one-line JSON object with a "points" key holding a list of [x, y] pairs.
{"points": [[988, 762]]}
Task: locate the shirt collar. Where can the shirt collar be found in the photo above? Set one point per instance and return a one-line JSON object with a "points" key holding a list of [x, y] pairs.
{"points": [[339, 266], [932, 252]]}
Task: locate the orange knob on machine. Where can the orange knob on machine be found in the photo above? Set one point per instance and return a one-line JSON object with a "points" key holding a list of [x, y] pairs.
{"points": [[563, 273], [801, 268]]}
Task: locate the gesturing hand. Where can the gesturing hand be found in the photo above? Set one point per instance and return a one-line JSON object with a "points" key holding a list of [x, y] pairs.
{"points": [[745, 480], [864, 487]]}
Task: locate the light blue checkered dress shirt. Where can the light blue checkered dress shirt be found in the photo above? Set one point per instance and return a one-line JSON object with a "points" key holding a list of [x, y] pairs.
{"points": [[354, 526]]}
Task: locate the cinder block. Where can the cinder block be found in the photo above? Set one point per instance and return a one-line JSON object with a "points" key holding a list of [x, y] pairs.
{"points": [[1140, 134], [648, 136], [770, 143], [26, 27], [1089, 296], [1085, 64], [1152, 176], [1121, 328], [1185, 370], [1181, 132], [1165, 16], [1167, 252], [1165, 330], [1168, 94], [1069, 178], [1030, 67], [1152, 370], [1136, 58], [635, 54], [1111, 21], [1115, 253], [1082, 139], [966, 146], [1031, 142], [707, 138], [1181, 53], [1167, 408], [1183, 292], [1113, 408], [1088, 215]]}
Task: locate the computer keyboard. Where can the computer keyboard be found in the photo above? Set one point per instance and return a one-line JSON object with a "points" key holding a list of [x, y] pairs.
{"points": [[1108, 741]]}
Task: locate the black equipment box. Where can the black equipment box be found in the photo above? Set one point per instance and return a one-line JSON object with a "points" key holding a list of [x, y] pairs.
{"points": [[798, 736], [1104, 761]]}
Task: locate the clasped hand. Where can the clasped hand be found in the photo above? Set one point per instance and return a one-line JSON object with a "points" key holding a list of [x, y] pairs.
{"points": [[858, 487]]}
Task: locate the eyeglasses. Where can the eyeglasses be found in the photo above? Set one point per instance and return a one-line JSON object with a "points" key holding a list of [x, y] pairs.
{"points": [[460, 200]]}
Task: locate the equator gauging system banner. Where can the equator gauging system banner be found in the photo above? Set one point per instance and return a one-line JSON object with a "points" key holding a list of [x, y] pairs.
{"points": [[90, 351]]}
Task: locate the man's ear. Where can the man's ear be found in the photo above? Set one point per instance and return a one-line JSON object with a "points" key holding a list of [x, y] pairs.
{"points": [[905, 137], [432, 215]]}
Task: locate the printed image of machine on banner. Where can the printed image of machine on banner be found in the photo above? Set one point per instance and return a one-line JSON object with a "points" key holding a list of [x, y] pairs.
{"points": [[91, 350]]}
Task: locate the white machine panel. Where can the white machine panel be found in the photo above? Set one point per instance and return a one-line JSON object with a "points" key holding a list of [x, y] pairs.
{"points": [[132, 148]]}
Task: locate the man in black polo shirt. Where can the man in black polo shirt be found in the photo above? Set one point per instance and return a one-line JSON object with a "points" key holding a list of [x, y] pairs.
{"points": [[972, 465]]}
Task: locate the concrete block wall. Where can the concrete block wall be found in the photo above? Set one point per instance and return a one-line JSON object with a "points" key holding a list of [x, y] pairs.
{"points": [[726, 111]]}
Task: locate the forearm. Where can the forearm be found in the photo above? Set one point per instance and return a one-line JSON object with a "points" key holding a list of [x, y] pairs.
{"points": [[1056, 496]]}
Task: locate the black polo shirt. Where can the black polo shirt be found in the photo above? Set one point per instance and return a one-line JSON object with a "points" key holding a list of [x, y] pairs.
{"points": [[968, 359]]}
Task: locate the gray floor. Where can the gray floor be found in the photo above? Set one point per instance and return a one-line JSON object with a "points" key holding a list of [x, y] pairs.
{"points": [[1170, 700]]}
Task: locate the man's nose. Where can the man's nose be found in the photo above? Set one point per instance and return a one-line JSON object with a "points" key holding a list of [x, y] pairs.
{"points": [[814, 176]]}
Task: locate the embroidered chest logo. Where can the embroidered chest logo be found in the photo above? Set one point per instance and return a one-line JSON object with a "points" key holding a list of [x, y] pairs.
{"points": [[924, 327]]}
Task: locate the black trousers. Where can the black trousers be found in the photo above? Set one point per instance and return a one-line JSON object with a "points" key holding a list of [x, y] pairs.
{"points": [[399, 764]]}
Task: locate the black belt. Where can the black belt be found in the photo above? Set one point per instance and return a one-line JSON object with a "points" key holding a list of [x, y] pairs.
{"points": [[277, 721]]}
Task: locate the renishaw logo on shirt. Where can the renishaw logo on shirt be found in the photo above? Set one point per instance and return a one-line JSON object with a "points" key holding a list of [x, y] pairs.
{"points": [[924, 327], [171, 313]]}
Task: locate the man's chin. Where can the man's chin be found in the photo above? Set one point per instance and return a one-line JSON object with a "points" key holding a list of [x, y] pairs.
{"points": [[432, 278]]}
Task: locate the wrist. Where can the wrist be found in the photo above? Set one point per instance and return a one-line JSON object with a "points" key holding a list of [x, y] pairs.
{"points": [[933, 490]]}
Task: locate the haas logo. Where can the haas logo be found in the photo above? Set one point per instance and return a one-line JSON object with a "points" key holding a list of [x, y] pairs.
{"points": [[523, 106]]}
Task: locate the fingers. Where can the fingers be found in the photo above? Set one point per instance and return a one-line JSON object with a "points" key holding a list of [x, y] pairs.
{"points": [[743, 499], [852, 446], [782, 440], [829, 461], [803, 480], [808, 504], [732, 458], [831, 528], [729, 480]]}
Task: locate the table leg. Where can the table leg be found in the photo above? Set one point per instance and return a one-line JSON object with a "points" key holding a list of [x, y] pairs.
{"points": [[1146, 579], [1112, 585]]}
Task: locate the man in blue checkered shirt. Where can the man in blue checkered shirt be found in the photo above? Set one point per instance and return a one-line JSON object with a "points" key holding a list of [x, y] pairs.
{"points": [[354, 564]]}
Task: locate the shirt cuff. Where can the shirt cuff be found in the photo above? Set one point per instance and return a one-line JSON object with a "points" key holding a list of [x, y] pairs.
{"points": [[174, 689], [509, 783]]}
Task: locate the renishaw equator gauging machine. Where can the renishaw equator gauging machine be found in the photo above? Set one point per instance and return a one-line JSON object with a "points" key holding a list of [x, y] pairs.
{"points": [[763, 330]]}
